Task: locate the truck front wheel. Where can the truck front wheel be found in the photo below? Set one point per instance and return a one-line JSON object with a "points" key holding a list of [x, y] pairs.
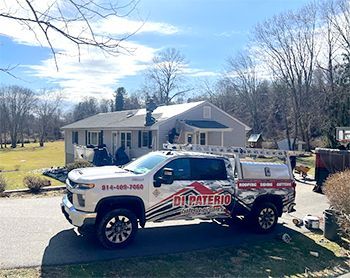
{"points": [[117, 228], [264, 217]]}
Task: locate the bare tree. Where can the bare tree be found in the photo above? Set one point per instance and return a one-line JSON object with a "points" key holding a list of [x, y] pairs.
{"points": [[166, 76], [19, 102], [72, 20], [3, 119], [47, 106], [242, 75], [86, 108], [288, 43], [337, 15], [106, 105]]}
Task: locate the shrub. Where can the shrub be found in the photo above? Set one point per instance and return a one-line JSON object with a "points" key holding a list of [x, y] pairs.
{"points": [[35, 183], [337, 190], [3, 184], [78, 164]]}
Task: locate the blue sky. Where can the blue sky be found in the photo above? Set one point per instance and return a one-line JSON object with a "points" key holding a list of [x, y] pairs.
{"points": [[206, 32]]}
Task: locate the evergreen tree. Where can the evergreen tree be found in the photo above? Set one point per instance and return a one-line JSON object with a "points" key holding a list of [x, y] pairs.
{"points": [[119, 99]]}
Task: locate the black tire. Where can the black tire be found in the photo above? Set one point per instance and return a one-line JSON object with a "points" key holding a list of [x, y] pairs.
{"points": [[117, 228], [264, 217]]}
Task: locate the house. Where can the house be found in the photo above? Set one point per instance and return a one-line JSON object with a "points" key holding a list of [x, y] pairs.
{"points": [[197, 123], [255, 140], [299, 145]]}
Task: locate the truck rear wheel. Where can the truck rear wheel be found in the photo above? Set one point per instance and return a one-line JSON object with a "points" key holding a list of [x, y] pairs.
{"points": [[264, 217], [117, 228]]}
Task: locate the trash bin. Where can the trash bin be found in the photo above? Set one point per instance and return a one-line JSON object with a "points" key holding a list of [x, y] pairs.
{"points": [[331, 227]]}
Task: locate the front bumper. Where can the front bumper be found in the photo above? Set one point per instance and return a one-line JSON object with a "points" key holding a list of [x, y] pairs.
{"points": [[76, 217]]}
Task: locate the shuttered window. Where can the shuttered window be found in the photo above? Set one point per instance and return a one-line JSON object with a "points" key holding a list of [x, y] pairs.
{"points": [[93, 138]]}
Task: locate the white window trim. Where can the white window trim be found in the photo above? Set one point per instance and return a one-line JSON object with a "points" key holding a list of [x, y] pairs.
{"points": [[142, 146], [206, 112], [73, 137], [126, 141], [89, 137], [206, 138]]}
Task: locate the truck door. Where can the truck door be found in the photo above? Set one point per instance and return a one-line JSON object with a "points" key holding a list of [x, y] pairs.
{"points": [[201, 188], [161, 198], [214, 181]]}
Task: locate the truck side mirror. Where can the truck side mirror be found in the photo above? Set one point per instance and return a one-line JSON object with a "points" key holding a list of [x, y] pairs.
{"points": [[167, 177]]}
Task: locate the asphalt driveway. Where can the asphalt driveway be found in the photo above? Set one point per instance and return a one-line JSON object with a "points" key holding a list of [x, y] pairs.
{"points": [[33, 232]]}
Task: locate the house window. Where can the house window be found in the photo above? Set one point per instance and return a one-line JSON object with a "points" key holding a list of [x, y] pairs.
{"points": [[125, 139], [93, 138], [206, 112], [75, 137], [202, 138], [145, 139]]}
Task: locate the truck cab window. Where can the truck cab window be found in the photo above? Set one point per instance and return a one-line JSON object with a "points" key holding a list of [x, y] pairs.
{"points": [[208, 169], [181, 168]]}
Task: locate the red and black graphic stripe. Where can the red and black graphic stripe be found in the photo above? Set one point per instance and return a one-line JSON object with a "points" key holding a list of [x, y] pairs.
{"points": [[165, 209]]}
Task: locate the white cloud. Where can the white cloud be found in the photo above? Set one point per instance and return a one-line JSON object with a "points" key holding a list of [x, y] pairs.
{"points": [[193, 72], [231, 33], [122, 26], [89, 72], [96, 74]]}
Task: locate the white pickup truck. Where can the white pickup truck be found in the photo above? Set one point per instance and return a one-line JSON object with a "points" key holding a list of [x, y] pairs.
{"points": [[171, 185]]}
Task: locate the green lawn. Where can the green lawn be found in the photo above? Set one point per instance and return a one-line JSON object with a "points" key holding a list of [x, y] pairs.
{"points": [[308, 161], [272, 258], [15, 164]]}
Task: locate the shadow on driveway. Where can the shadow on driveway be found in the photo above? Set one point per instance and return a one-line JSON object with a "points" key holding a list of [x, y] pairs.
{"points": [[67, 247]]}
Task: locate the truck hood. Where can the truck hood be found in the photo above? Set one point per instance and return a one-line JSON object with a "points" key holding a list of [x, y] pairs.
{"points": [[90, 174]]}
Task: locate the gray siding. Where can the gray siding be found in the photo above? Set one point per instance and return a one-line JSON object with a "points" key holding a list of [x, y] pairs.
{"points": [[236, 137], [214, 138]]}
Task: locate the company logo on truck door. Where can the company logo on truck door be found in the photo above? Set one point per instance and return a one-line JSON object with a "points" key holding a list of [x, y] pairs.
{"points": [[202, 200], [195, 199]]}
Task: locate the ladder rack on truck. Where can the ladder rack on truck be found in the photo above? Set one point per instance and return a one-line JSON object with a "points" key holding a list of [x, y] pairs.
{"points": [[231, 151]]}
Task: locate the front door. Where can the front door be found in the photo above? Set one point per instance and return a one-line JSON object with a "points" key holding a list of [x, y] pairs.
{"points": [[201, 189]]}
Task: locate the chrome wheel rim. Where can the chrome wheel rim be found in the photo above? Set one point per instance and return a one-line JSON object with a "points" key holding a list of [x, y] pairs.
{"points": [[118, 229], [266, 218]]}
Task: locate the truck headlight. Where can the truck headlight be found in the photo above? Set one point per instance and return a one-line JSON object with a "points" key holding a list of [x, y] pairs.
{"points": [[85, 185]]}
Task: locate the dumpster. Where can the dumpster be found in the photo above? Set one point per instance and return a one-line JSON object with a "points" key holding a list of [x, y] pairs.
{"points": [[330, 161]]}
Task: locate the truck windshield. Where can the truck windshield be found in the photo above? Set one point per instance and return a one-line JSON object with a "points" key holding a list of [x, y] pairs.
{"points": [[145, 163]]}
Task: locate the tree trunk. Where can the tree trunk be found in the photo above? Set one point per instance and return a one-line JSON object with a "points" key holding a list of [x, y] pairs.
{"points": [[22, 139], [13, 136]]}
